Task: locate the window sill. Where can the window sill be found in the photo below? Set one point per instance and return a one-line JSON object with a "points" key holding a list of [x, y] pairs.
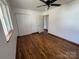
{"points": [[8, 37]]}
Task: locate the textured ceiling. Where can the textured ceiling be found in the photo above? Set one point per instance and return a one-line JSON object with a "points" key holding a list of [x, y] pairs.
{"points": [[32, 4]]}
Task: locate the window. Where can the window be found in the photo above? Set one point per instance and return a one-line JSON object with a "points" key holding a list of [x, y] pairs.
{"points": [[6, 19]]}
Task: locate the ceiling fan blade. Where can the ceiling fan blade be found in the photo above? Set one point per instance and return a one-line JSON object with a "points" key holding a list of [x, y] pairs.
{"points": [[52, 1], [43, 1], [55, 4], [40, 6]]}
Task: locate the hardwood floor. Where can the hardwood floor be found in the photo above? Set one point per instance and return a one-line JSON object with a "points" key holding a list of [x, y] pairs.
{"points": [[45, 46]]}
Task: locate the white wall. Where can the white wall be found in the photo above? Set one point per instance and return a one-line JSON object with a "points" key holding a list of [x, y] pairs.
{"points": [[8, 50], [28, 21], [64, 21]]}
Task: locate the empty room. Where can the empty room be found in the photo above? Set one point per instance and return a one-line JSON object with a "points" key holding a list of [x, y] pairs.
{"points": [[39, 29]]}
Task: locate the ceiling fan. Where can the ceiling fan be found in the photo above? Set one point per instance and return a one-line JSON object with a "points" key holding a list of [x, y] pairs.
{"points": [[49, 3]]}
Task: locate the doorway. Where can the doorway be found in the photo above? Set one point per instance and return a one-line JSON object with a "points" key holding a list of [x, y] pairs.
{"points": [[46, 18]]}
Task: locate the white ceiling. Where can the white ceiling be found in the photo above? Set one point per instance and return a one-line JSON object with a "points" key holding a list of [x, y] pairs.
{"points": [[32, 4]]}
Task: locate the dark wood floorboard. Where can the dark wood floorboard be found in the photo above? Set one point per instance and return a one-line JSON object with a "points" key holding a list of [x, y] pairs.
{"points": [[45, 46]]}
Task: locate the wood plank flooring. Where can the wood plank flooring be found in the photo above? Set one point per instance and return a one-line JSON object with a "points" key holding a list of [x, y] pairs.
{"points": [[45, 46]]}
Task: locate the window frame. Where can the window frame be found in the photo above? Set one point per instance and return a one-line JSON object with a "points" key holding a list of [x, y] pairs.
{"points": [[7, 10]]}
